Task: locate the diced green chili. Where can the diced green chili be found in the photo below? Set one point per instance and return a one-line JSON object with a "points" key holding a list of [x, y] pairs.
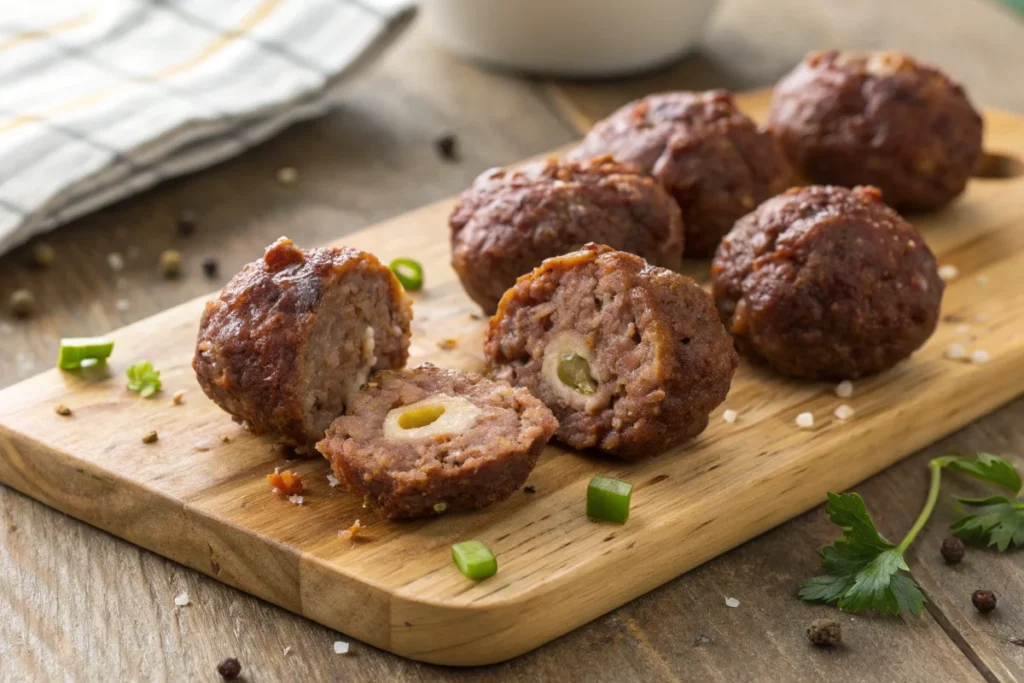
{"points": [[608, 499], [409, 272], [574, 372], [474, 560], [74, 350]]}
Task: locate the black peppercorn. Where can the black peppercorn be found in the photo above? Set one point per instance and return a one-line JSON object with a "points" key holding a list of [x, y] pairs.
{"points": [[186, 222], [825, 632], [229, 669], [952, 550], [984, 601], [210, 267], [446, 147]]}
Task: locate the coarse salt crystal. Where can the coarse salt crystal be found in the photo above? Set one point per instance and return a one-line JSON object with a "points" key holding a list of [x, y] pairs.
{"points": [[340, 647], [948, 272], [287, 650], [982, 280], [805, 420], [844, 412], [332, 480], [295, 499], [732, 602], [181, 599], [730, 416], [115, 261], [844, 389], [956, 352], [979, 356]]}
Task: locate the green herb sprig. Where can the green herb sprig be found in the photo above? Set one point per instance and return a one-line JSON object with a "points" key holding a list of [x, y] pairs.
{"points": [[144, 379]]}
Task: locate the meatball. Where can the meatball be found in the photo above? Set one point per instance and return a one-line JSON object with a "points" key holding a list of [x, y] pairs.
{"points": [[708, 154], [509, 221], [879, 119], [294, 334], [424, 441], [826, 283], [630, 357]]}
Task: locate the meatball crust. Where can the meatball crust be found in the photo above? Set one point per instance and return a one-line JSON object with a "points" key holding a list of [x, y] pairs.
{"points": [[293, 334], [630, 357], [509, 221], [879, 119], [827, 283], [707, 153], [477, 451]]}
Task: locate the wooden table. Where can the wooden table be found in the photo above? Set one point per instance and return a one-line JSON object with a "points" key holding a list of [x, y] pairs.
{"points": [[76, 603]]}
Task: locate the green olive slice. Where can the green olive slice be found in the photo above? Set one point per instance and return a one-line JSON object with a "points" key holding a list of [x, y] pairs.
{"points": [[574, 372], [420, 416]]}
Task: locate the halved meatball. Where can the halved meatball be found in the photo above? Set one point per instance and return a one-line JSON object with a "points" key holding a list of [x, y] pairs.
{"points": [[879, 119], [428, 440], [707, 153], [509, 221], [827, 283], [293, 335], [631, 358]]}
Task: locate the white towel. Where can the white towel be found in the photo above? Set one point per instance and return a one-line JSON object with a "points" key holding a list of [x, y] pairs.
{"points": [[100, 99]]}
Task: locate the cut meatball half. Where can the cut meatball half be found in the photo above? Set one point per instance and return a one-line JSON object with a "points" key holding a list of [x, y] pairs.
{"points": [[296, 333], [631, 358], [429, 440]]}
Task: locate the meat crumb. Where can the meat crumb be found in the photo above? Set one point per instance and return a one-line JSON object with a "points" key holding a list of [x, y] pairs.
{"points": [[447, 147], [333, 481], [979, 356], [732, 602], [350, 533], [805, 420], [844, 389], [22, 303], [956, 352], [825, 632], [844, 412], [948, 272], [447, 344], [177, 396], [181, 599], [62, 410], [730, 416], [295, 499], [287, 483], [529, 489], [150, 437], [340, 647]]}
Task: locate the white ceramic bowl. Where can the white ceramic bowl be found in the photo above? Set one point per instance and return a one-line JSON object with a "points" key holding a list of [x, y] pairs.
{"points": [[568, 37]]}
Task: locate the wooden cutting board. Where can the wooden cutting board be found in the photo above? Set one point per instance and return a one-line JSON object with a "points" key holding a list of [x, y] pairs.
{"points": [[199, 494]]}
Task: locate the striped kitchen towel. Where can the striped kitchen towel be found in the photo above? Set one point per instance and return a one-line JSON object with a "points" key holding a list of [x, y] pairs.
{"points": [[100, 99]]}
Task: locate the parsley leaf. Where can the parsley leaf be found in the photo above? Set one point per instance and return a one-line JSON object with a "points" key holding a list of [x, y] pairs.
{"points": [[144, 379], [994, 521], [862, 569], [987, 467]]}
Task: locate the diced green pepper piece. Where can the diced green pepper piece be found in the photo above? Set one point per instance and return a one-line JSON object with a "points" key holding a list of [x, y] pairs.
{"points": [[474, 560], [608, 499], [74, 350]]}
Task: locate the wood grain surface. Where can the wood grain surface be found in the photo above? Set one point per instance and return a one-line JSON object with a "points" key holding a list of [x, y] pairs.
{"points": [[199, 495], [84, 605]]}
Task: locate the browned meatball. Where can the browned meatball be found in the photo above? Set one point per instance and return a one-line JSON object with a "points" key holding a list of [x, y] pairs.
{"points": [[630, 357], [708, 154], [879, 119], [827, 283], [509, 221], [425, 441], [295, 333]]}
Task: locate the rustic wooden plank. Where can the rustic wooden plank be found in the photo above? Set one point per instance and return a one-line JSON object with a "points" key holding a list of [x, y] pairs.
{"points": [[200, 502]]}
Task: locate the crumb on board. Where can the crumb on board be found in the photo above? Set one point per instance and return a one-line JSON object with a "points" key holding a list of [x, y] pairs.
{"points": [[956, 351], [844, 412], [333, 481], [177, 396], [62, 410], [296, 499], [287, 650], [732, 602], [181, 599], [440, 507], [340, 647], [287, 482], [805, 420], [979, 356], [150, 437], [22, 303], [115, 261], [350, 533], [529, 489], [170, 263], [962, 328], [225, 439], [844, 389], [123, 305], [447, 344], [286, 175], [730, 416], [948, 272]]}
